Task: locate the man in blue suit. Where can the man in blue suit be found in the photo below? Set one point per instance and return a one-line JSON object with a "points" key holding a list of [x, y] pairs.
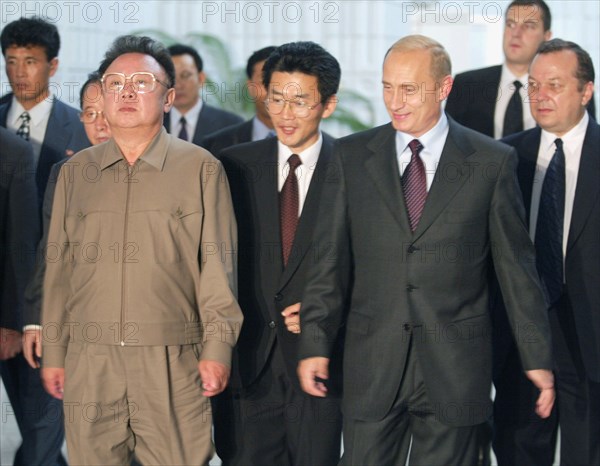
{"points": [[30, 47]]}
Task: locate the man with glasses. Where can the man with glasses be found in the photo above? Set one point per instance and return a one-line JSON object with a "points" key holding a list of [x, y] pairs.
{"points": [[191, 118], [139, 311], [276, 186]]}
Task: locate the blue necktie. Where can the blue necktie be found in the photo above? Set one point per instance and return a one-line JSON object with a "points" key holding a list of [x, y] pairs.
{"points": [[183, 132], [549, 229]]}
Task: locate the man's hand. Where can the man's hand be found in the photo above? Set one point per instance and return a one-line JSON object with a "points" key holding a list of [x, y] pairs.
{"points": [[291, 316], [544, 380], [32, 346], [310, 370], [53, 379], [10, 343], [214, 377]]}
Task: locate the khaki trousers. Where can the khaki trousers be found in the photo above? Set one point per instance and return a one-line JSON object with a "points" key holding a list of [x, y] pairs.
{"points": [[145, 399]]}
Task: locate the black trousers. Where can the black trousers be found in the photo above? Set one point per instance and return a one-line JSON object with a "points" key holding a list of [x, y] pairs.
{"points": [[520, 437], [410, 431], [39, 416], [272, 423]]}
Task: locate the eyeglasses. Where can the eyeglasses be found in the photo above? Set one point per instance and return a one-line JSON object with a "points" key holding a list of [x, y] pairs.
{"points": [[89, 116], [143, 82], [298, 107]]}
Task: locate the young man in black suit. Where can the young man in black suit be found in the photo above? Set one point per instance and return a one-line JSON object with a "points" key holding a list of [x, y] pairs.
{"points": [[480, 98], [30, 47], [277, 186], [565, 228], [191, 118], [259, 126], [417, 213]]}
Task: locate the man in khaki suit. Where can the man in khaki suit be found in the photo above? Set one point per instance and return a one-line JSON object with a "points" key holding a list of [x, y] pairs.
{"points": [[139, 314]]}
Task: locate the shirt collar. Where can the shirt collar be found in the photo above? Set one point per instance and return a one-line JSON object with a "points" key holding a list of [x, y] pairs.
{"points": [[572, 136], [432, 137], [154, 155], [507, 77], [259, 130], [308, 156], [191, 116], [39, 113]]}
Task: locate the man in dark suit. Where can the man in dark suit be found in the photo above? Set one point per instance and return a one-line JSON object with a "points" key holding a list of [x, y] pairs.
{"points": [[19, 234], [416, 213], [258, 127], [277, 185], [480, 98], [561, 81], [191, 118], [30, 47]]}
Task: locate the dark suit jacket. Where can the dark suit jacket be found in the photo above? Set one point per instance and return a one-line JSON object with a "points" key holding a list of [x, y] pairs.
{"points": [[211, 119], [19, 225], [33, 293], [266, 288], [582, 261], [431, 284], [227, 137], [64, 132], [472, 101]]}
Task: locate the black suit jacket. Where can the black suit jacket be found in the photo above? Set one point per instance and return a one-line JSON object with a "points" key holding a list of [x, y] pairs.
{"points": [[19, 225], [429, 287], [211, 119], [582, 261], [64, 133], [266, 287], [227, 137], [472, 101]]}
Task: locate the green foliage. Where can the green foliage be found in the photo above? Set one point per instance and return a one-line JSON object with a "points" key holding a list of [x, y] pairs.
{"points": [[225, 84]]}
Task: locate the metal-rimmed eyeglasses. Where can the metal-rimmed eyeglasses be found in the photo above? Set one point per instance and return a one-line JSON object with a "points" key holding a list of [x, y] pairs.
{"points": [[89, 116], [298, 107], [143, 82]]}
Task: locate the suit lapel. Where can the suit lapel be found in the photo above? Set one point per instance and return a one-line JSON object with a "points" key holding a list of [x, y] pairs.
{"points": [[528, 152], [382, 168], [306, 223], [587, 193], [4, 113], [449, 178]]}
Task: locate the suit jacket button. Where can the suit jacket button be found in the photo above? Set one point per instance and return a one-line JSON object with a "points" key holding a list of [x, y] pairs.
{"points": [[406, 327], [411, 249], [271, 324], [410, 288], [278, 297]]}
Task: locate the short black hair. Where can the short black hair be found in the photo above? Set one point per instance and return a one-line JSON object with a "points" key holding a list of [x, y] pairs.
{"points": [[541, 4], [585, 67], [257, 57], [307, 58], [34, 31], [139, 44], [181, 49], [93, 78]]}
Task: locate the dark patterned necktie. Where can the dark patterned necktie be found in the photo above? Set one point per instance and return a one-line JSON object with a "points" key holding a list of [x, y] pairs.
{"points": [[289, 200], [23, 130], [414, 184], [513, 118], [183, 134], [549, 227]]}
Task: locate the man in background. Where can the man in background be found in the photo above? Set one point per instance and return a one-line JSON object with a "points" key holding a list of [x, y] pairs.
{"points": [[258, 127], [559, 170], [191, 118]]}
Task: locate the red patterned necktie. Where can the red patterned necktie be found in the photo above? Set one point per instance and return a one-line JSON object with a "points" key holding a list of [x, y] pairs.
{"points": [[288, 208], [414, 185]]}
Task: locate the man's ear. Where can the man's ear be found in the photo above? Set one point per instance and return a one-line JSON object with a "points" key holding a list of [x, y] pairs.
{"points": [[169, 99], [53, 66], [202, 77], [446, 87], [329, 106]]}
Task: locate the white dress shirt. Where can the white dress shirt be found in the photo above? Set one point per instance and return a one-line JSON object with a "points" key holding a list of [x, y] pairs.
{"points": [[191, 120], [40, 114], [304, 172], [433, 143], [260, 130], [506, 89], [572, 146]]}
